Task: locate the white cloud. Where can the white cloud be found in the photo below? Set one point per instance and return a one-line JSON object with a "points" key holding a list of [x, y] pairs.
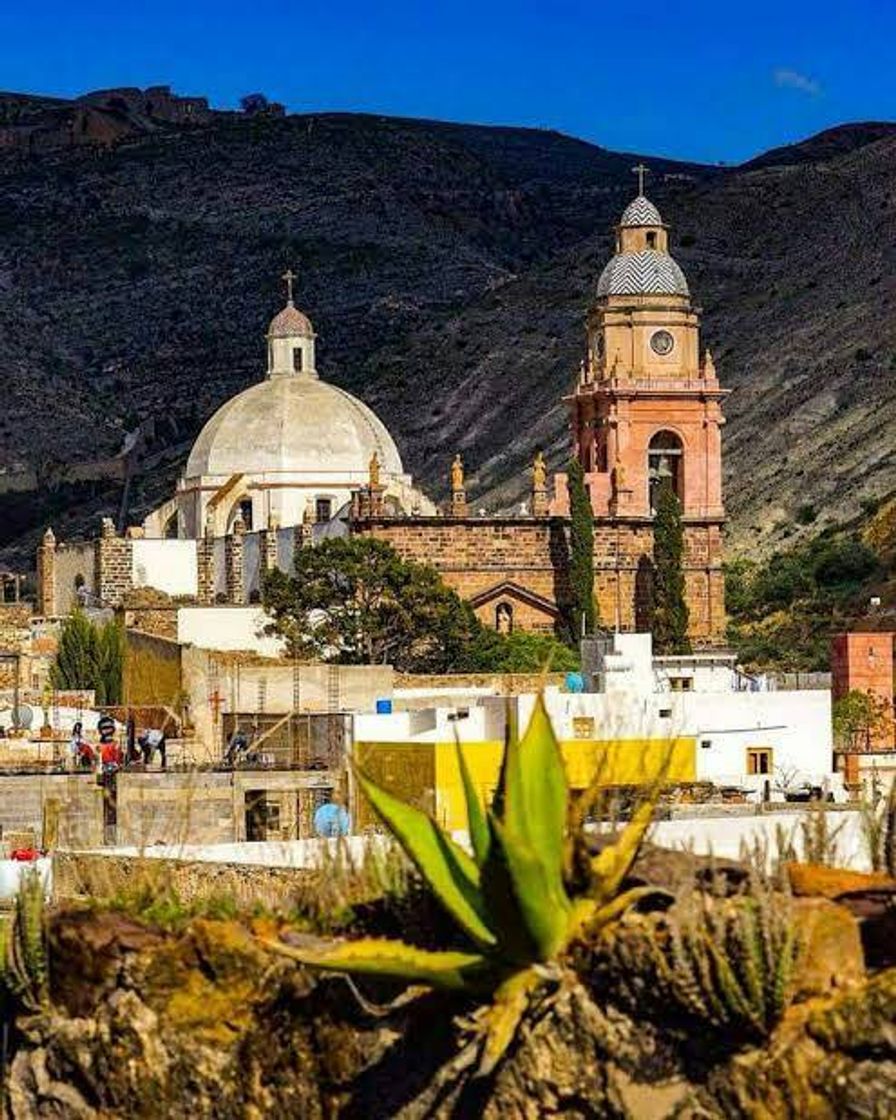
{"points": [[793, 79]]}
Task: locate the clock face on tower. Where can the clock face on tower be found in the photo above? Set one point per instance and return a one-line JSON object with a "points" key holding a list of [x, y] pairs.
{"points": [[662, 343]]}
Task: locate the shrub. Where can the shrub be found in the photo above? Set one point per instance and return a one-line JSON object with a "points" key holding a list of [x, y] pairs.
{"points": [[844, 562], [806, 514]]}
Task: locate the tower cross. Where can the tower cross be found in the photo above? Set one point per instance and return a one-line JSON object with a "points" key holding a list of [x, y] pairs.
{"points": [[640, 170], [288, 276]]}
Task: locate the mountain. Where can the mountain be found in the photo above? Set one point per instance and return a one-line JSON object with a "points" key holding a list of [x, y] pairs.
{"points": [[447, 269]]}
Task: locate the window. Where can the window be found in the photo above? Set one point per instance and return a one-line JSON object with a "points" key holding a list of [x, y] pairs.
{"points": [[665, 713], [297, 359], [705, 744], [582, 727], [681, 684], [323, 509], [245, 512], [651, 239], [262, 816], [665, 460], [759, 760]]}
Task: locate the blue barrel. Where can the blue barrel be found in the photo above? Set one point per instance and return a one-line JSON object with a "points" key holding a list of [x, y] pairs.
{"points": [[384, 707]]}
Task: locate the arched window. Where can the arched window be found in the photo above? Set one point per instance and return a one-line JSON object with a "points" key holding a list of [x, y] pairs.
{"points": [[504, 618], [297, 359], [245, 512], [665, 459], [651, 239], [170, 530]]}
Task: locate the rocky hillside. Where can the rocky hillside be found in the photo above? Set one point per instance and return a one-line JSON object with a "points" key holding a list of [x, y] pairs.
{"points": [[447, 269]]}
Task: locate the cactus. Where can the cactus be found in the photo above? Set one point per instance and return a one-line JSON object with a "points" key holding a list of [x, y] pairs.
{"points": [[510, 897], [24, 947], [730, 963]]}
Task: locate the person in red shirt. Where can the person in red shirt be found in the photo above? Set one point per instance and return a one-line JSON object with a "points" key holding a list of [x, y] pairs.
{"points": [[110, 752]]}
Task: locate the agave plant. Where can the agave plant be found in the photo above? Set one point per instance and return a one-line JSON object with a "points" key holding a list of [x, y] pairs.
{"points": [[510, 897]]}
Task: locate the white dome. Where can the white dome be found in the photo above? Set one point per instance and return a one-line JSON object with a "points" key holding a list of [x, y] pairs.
{"points": [[647, 272], [295, 424]]}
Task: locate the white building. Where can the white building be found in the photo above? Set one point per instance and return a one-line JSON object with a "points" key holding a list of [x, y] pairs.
{"points": [[768, 744], [288, 450]]}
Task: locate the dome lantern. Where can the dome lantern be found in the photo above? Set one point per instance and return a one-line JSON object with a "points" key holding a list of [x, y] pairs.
{"points": [[642, 264], [290, 339]]}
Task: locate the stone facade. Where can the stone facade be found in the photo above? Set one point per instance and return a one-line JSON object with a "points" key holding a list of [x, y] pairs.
{"points": [[114, 566], [46, 575], [518, 562], [233, 563]]}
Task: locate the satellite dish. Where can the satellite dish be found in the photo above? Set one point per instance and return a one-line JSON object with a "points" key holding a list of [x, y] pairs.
{"points": [[23, 716]]}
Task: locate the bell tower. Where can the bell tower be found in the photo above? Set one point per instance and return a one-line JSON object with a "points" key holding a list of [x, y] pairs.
{"points": [[648, 405]]}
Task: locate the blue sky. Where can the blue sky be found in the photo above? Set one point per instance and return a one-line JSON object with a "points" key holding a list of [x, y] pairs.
{"points": [[696, 80]]}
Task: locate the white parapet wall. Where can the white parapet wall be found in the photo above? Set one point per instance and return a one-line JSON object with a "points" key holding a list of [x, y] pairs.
{"points": [[167, 565], [228, 628]]}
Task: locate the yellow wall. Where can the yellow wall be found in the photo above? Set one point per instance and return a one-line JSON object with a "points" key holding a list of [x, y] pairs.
{"points": [[621, 762], [152, 670]]}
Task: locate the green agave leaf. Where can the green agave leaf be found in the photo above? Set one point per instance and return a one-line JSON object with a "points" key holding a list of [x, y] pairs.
{"points": [[610, 868], [478, 825], [503, 1017], [610, 911], [544, 790], [540, 897], [450, 873], [515, 941], [510, 736], [394, 960]]}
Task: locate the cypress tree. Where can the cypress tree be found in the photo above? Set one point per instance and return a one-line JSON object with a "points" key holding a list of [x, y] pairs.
{"points": [[583, 615], [670, 607], [90, 657], [75, 664], [109, 671]]}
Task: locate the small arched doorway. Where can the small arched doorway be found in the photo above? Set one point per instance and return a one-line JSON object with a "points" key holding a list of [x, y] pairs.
{"points": [[665, 459]]}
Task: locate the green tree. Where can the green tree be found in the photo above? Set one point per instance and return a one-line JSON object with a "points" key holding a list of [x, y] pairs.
{"points": [[90, 657], [75, 664], [670, 607], [356, 601], [520, 652], [109, 663], [583, 616], [860, 720]]}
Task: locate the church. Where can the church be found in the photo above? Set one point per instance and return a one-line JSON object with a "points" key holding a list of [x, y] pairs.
{"points": [[292, 460]]}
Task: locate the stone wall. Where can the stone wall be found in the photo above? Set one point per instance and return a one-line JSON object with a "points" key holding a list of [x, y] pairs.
{"points": [[74, 565], [15, 638], [211, 807], [476, 556], [114, 566], [500, 684], [158, 620], [71, 806]]}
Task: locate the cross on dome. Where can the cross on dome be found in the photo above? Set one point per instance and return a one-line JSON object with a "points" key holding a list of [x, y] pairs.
{"points": [[289, 276], [640, 169]]}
